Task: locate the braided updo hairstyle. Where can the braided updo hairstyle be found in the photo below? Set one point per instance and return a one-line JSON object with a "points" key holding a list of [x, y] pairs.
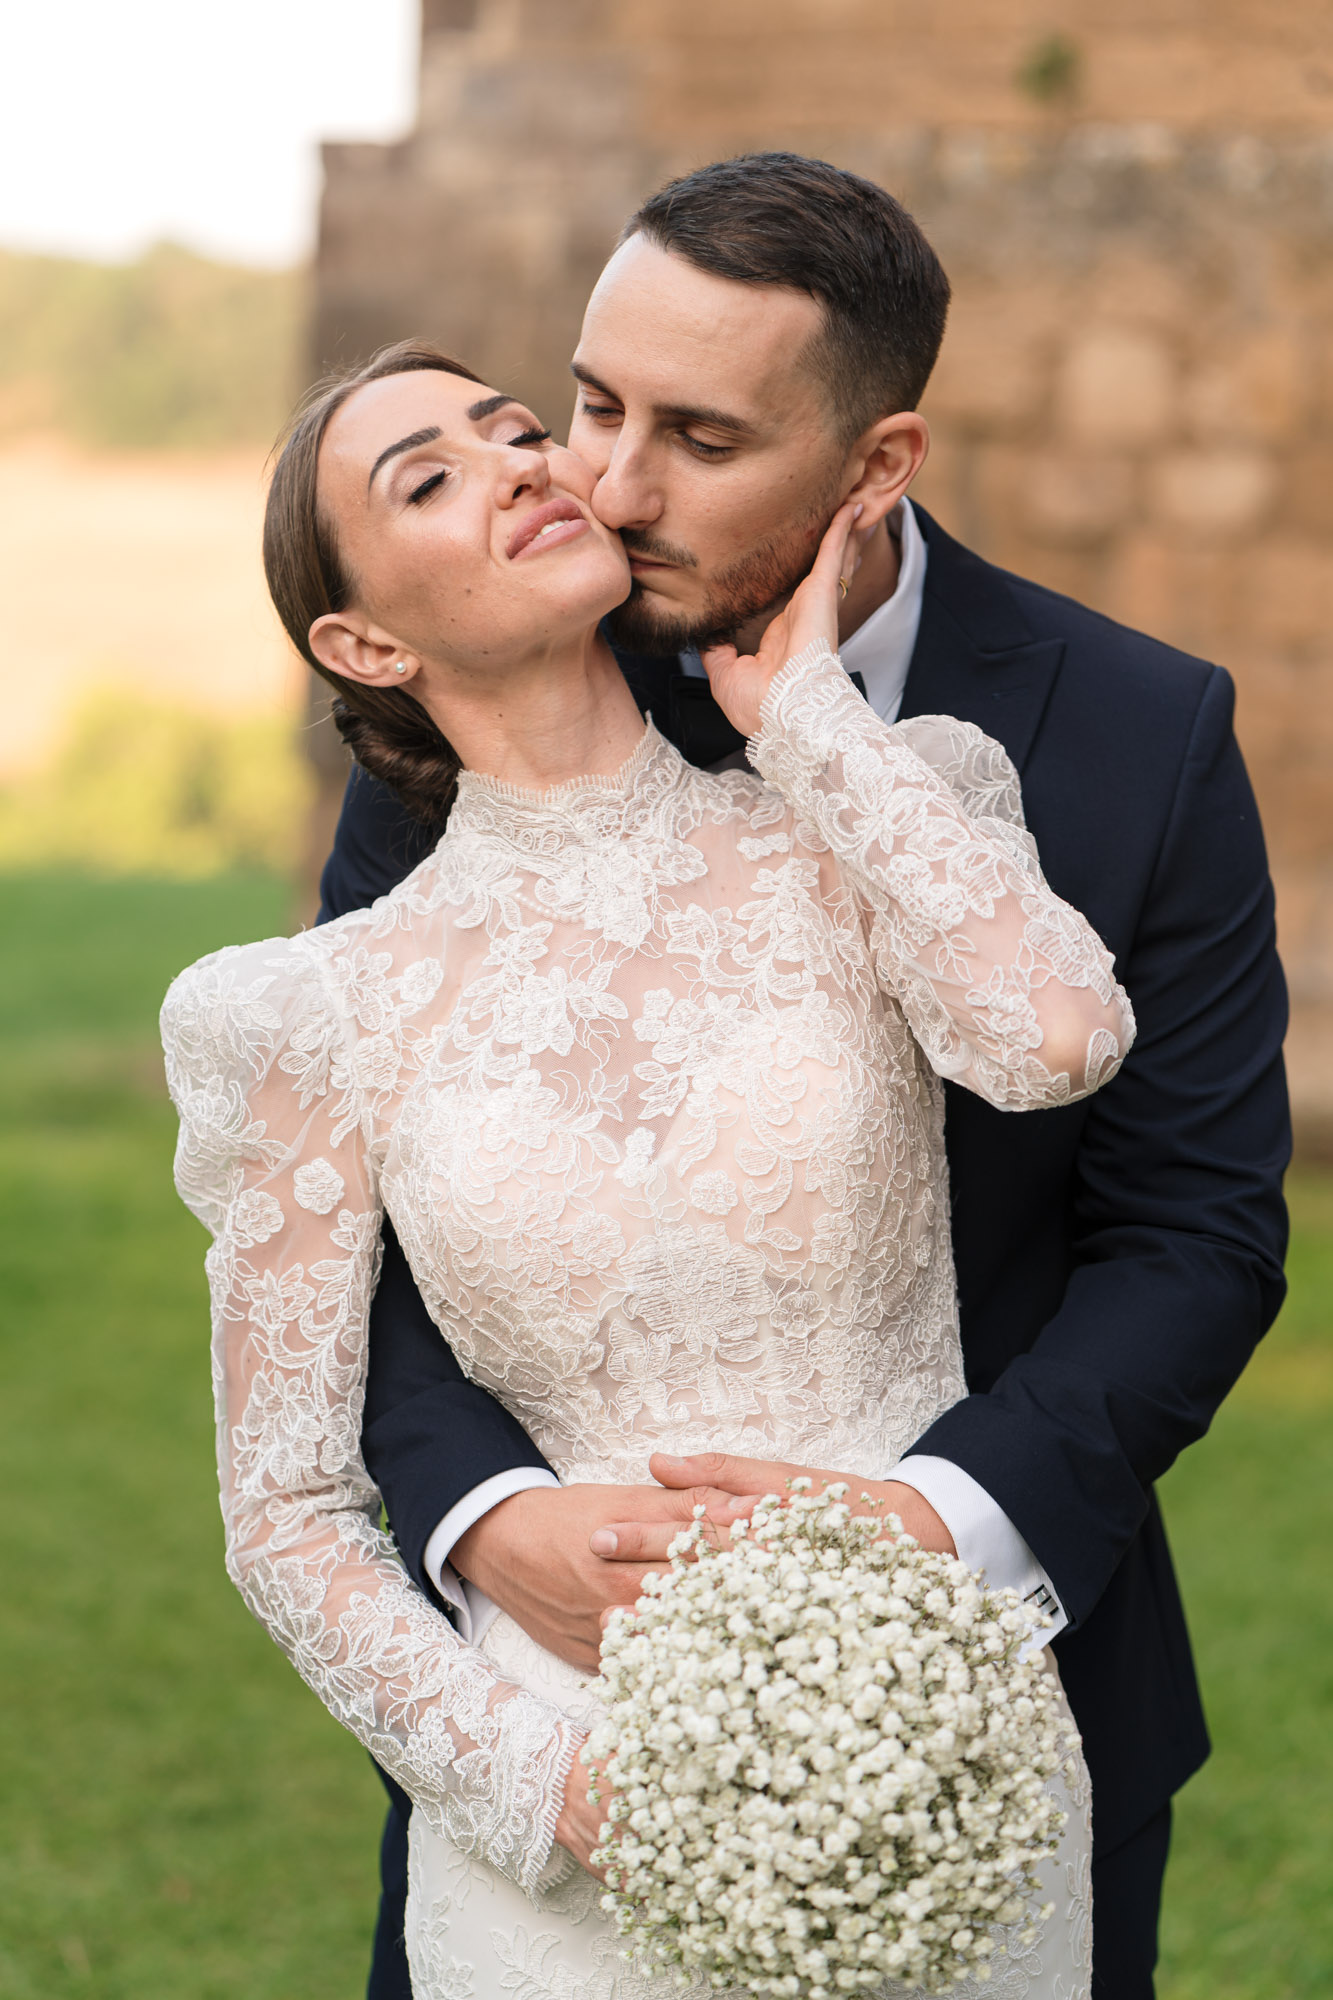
{"points": [[386, 729]]}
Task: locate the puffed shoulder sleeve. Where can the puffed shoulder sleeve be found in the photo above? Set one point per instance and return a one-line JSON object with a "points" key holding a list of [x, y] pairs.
{"points": [[274, 1161], [1009, 991]]}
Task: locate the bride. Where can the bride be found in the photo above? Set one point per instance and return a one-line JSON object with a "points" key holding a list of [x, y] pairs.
{"points": [[642, 1063]]}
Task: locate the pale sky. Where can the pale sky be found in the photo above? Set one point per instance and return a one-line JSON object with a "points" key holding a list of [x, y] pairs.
{"points": [[126, 121]]}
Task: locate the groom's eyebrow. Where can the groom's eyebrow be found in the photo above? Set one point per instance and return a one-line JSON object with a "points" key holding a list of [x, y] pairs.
{"points": [[680, 413], [487, 407]]}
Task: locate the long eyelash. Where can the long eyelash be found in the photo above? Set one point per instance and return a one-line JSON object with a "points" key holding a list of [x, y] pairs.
{"points": [[426, 487], [706, 450]]}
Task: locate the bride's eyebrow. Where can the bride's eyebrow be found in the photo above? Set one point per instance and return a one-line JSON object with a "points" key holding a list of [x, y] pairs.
{"points": [[427, 436], [477, 413]]}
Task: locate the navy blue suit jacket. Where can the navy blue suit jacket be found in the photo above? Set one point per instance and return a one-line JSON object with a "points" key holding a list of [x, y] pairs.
{"points": [[1117, 1259]]}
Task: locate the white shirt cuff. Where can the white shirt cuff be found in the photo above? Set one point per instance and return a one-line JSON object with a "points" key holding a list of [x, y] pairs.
{"points": [[473, 1610], [984, 1536]]}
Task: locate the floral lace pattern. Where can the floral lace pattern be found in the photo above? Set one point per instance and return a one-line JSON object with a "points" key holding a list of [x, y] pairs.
{"points": [[645, 1070]]}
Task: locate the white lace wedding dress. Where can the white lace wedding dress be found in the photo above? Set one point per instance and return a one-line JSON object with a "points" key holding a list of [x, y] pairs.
{"points": [[645, 1070]]}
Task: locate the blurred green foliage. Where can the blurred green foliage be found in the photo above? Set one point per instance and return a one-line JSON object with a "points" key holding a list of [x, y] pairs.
{"points": [[1050, 71], [171, 351], [141, 787], [183, 1818]]}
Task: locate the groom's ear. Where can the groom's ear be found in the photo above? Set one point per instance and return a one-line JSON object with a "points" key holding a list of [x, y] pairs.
{"points": [[883, 463]]}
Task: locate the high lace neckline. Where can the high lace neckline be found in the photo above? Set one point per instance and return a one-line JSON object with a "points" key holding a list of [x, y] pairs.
{"points": [[606, 806]]}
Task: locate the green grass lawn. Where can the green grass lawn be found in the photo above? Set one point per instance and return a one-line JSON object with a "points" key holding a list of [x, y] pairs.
{"points": [[181, 1817], [182, 1820]]}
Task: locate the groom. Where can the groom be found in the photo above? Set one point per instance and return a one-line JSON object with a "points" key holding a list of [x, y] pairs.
{"points": [[754, 351]]}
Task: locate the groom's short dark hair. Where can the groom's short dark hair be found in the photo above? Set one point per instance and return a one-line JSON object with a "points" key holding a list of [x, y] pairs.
{"points": [[781, 219]]}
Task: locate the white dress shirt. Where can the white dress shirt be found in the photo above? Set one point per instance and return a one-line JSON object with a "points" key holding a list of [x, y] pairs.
{"points": [[880, 651]]}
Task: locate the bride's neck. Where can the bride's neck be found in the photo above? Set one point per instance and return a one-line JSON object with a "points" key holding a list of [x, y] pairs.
{"points": [[559, 715]]}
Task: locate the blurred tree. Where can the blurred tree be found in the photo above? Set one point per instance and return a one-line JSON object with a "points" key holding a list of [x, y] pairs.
{"points": [[141, 787], [172, 351]]}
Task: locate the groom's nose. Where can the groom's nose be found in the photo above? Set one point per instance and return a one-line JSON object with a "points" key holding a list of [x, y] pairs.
{"points": [[627, 495]]}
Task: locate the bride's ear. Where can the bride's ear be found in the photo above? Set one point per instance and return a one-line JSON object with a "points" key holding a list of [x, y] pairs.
{"points": [[883, 465], [359, 651]]}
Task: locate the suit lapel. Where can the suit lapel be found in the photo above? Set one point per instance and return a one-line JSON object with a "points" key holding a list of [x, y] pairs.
{"points": [[975, 655]]}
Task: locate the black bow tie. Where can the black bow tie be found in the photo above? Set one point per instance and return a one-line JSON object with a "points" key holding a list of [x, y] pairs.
{"points": [[683, 708]]}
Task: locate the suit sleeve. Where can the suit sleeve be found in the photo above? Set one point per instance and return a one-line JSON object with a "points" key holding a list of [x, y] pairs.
{"points": [[1179, 1224], [377, 843], [429, 1436]]}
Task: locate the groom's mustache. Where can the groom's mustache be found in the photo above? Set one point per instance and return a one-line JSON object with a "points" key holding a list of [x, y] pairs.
{"points": [[638, 542]]}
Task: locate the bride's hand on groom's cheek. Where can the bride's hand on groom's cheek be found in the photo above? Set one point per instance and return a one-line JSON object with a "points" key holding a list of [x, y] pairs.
{"points": [[741, 680]]}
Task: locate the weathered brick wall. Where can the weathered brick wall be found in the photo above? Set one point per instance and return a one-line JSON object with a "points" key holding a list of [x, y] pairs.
{"points": [[1135, 401], [1135, 405]]}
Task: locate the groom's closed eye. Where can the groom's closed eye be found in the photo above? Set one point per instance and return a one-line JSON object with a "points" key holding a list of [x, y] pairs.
{"points": [[600, 412], [607, 414], [703, 449]]}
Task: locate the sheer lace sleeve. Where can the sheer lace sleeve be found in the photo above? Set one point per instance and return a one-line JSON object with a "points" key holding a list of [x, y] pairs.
{"points": [[273, 1161], [1008, 989]]}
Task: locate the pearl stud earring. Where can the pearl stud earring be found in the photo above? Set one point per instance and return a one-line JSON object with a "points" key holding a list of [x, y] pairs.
{"points": [[400, 666]]}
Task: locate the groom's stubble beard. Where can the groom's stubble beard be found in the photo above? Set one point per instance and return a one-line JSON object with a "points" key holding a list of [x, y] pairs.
{"points": [[749, 590]]}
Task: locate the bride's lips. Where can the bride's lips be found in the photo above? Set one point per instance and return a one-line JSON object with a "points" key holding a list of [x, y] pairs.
{"points": [[563, 518]]}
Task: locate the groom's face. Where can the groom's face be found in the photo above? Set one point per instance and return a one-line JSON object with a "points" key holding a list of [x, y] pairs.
{"points": [[718, 460]]}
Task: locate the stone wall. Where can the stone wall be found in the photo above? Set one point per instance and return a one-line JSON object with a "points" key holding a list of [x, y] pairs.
{"points": [[1135, 399], [1135, 405]]}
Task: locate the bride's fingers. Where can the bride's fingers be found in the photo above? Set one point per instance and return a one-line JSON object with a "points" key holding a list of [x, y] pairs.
{"points": [[832, 565], [650, 1541], [640, 1541], [813, 612]]}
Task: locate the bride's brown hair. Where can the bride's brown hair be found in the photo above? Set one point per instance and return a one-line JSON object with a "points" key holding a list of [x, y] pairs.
{"points": [[386, 729]]}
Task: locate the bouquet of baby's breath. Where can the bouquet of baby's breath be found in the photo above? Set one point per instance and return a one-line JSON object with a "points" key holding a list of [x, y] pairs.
{"points": [[825, 1764]]}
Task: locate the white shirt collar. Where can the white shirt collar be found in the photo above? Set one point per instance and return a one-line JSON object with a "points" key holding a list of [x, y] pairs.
{"points": [[880, 650]]}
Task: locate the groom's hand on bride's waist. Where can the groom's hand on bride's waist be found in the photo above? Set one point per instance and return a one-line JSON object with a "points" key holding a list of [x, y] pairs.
{"points": [[645, 1539], [541, 1556]]}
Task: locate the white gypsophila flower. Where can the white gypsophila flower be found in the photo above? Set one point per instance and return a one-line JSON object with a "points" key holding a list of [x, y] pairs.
{"points": [[824, 1760]]}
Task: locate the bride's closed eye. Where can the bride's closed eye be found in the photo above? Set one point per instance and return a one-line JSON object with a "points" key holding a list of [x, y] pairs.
{"points": [[426, 488], [532, 436]]}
